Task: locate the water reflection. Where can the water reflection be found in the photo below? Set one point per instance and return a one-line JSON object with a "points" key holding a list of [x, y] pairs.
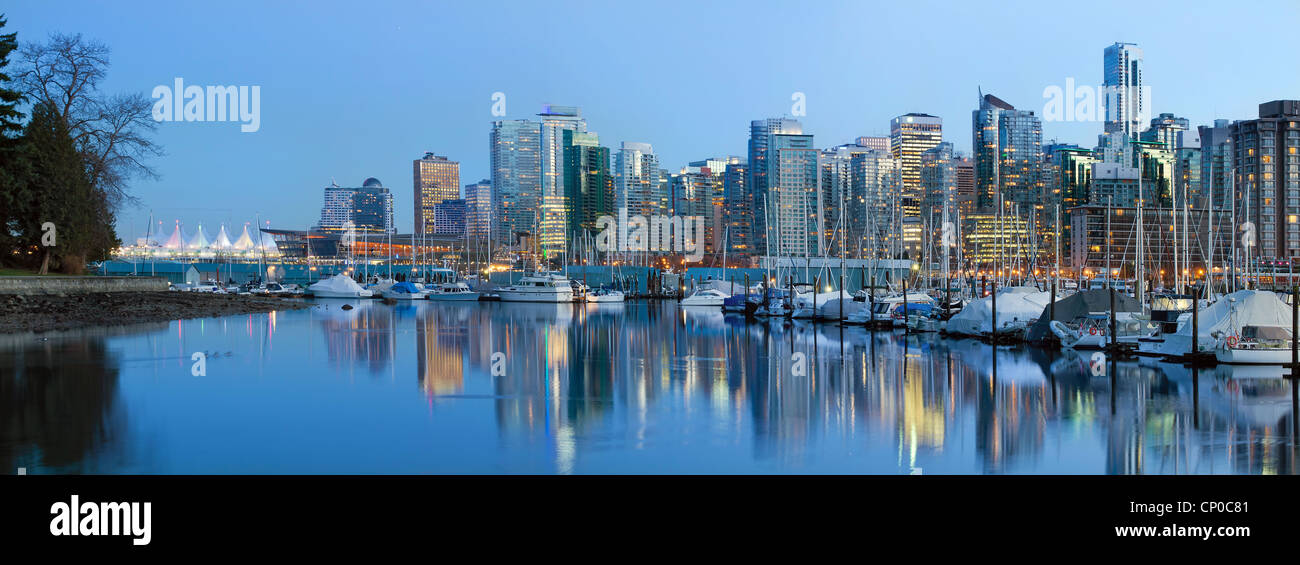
{"points": [[617, 388]]}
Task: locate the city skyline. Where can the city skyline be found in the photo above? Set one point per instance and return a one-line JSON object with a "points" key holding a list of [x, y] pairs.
{"points": [[377, 135]]}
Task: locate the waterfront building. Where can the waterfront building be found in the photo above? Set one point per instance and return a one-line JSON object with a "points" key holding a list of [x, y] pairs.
{"points": [[760, 135], [738, 211], [910, 135], [367, 209], [876, 187], [515, 151], [640, 185], [437, 179], [1090, 252], [967, 200], [1266, 164], [478, 209], [1216, 165], [588, 184], [1008, 145], [552, 215], [997, 245], [794, 207], [1124, 101], [1170, 130], [449, 217]]}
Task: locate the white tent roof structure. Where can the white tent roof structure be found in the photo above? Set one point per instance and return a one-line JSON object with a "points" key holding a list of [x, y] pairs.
{"points": [[199, 241], [177, 239], [244, 242], [223, 239], [268, 244]]}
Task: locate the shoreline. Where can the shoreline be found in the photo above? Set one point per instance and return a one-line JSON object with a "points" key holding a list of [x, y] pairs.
{"points": [[58, 312]]}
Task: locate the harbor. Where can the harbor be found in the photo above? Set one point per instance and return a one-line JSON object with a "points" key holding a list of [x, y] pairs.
{"points": [[639, 387]]}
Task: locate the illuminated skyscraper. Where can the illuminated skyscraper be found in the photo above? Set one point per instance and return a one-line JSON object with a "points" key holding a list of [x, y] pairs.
{"points": [[760, 132], [1008, 146], [1266, 162], [516, 178], [437, 179], [639, 183], [478, 208], [794, 206], [1123, 101], [910, 135], [367, 209], [588, 185], [552, 220]]}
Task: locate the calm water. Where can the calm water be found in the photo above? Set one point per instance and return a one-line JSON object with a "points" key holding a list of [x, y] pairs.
{"points": [[635, 388]]}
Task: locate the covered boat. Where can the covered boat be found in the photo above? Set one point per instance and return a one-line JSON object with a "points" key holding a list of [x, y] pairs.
{"points": [[1018, 306], [1219, 321], [338, 286], [404, 291], [1074, 309]]}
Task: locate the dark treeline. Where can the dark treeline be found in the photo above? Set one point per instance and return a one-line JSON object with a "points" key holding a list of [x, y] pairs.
{"points": [[67, 152]]}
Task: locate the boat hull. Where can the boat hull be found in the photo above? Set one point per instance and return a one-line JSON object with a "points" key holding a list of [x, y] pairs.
{"points": [[454, 297], [516, 296]]}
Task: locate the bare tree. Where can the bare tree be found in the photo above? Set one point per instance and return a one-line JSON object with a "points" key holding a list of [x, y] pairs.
{"points": [[111, 131]]}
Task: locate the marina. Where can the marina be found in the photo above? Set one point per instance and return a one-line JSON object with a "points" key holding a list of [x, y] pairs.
{"points": [[646, 386]]}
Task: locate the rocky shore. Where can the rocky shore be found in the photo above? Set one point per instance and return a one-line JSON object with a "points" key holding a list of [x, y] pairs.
{"points": [[53, 312]]}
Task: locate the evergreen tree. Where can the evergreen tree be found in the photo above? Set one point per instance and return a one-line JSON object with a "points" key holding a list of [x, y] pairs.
{"points": [[61, 193], [11, 197]]}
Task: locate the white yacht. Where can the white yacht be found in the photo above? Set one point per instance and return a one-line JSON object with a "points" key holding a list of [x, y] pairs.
{"points": [[705, 297], [540, 287], [450, 291], [605, 295]]}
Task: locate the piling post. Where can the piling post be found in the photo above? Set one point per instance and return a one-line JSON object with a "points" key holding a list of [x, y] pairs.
{"points": [[993, 327], [904, 306], [1111, 339]]}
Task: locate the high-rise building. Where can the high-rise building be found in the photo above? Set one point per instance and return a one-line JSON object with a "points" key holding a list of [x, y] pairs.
{"points": [[478, 208], [1266, 165], [516, 178], [588, 185], [910, 135], [1122, 77], [640, 185], [794, 207], [436, 179], [760, 132], [1008, 145], [449, 217], [876, 188], [553, 223], [1170, 130], [1216, 165], [939, 182], [1123, 101], [966, 194], [367, 209], [697, 191], [738, 211], [878, 143]]}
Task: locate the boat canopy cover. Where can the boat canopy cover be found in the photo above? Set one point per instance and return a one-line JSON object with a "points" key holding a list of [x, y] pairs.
{"points": [[1016, 304], [1079, 305], [406, 287], [1227, 316], [336, 283]]}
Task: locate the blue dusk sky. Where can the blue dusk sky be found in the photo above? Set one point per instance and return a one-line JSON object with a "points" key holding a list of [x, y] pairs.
{"points": [[353, 90]]}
